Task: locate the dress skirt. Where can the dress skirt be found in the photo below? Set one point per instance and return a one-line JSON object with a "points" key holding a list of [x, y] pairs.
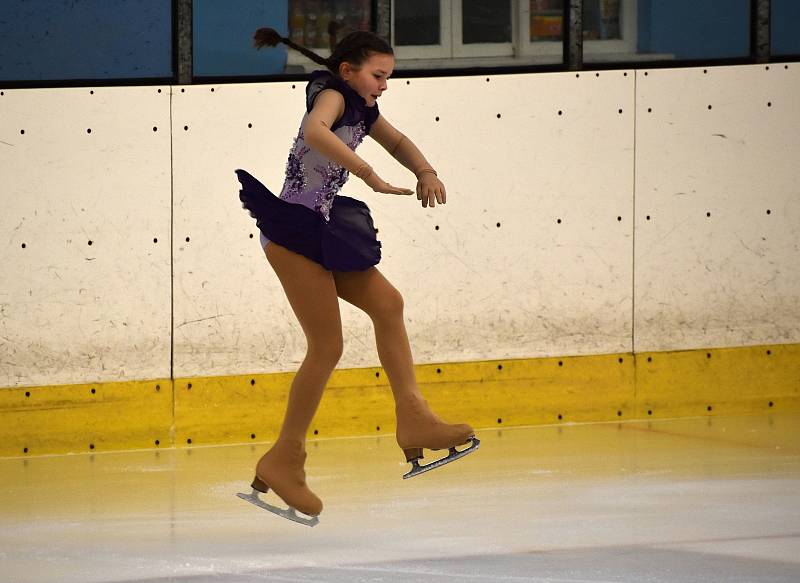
{"points": [[347, 242]]}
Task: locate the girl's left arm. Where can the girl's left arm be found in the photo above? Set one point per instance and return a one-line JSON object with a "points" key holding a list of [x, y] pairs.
{"points": [[430, 189]]}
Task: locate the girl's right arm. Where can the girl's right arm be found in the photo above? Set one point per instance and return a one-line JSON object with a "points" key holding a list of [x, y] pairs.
{"points": [[329, 107]]}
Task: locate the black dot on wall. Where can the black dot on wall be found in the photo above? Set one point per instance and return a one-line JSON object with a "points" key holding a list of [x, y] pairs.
{"points": [[25, 450], [158, 442], [709, 408], [560, 363], [558, 221], [499, 420], [94, 392], [649, 411], [251, 235], [771, 403], [189, 441], [2, 93], [498, 225], [645, 73], [499, 367], [619, 413], [619, 111], [212, 90], [158, 388], [498, 116], [91, 92], [91, 446], [90, 242], [769, 212], [769, 352], [27, 393], [560, 417], [155, 128], [769, 104], [597, 74], [408, 82], [560, 112], [767, 67], [316, 432], [705, 71], [625, 74], [649, 110], [709, 107], [621, 360], [708, 214], [155, 240], [577, 75], [249, 125], [649, 359], [189, 386], [183, 90], [619, 218], [437, 118], [377, 428], [23, 245], [22, 132], [252, 436], [252, 382], [293, 86], [159, 90], [648, 217], [438, 371], [89, 130], [187, 239], [185, 128], [708, 355], [377, 375], [437, 227]]}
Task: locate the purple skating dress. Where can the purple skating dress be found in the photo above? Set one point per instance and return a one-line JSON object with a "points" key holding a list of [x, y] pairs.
{"points": [[310, 217]]}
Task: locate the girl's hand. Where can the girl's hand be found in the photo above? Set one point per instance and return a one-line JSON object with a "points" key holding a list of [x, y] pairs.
{"points": [[377, 184], [430, 190]]}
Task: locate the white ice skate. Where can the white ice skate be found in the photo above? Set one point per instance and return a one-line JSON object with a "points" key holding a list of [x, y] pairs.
{"points": [[413, 455], [287, 513]]}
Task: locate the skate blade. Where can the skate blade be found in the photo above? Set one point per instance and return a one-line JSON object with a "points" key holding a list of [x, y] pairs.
{"points": [[288, 514], [417, 469]]}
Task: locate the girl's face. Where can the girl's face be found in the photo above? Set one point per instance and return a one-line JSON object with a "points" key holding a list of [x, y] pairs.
{"points": [[369, 80]]}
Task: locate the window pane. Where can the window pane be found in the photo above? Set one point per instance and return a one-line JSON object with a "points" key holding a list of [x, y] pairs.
{"points": [[93, 39], [320, 23], [601, 19], [416, 22], [637, 30], [486, 21], [785, 25], [547, 20]]}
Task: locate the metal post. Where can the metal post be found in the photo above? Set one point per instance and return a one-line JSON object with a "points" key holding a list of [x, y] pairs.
{"points": [[573, 35], [183, 31], [759, 30]]}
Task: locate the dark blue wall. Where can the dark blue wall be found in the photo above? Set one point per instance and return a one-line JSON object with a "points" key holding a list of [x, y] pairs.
{"points": [[223, 37], [785, 31], [85, 39], [694, 29]]}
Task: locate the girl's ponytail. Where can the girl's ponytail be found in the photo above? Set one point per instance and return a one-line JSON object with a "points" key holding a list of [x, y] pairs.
{"points": [[355, 48], [269, 37]]}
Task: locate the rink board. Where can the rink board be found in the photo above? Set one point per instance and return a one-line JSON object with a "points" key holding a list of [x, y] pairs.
{"points": [[205, 411], [717, 207]]}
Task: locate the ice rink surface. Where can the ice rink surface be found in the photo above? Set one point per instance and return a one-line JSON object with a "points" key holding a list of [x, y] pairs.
{"points": [[690, 500]]}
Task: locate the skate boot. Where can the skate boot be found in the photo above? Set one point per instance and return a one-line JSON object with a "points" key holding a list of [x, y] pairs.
{"points": [[281, 469], [418, 428]]}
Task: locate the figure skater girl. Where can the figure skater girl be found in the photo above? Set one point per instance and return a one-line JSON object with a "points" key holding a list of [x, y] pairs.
{"points": [[323, 246]]}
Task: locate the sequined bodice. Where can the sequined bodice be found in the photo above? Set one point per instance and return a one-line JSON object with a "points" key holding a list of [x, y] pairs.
{"points": [[312, 179]]}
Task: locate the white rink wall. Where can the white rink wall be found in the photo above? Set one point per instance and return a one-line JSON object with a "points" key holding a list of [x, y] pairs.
{"points": [[589, 213]]}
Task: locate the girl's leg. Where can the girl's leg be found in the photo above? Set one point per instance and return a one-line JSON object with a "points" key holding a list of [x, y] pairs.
{"points": [[311, 291], [417, 426]]}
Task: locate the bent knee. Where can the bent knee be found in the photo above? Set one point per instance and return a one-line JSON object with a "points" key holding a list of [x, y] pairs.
{"points": [[389, 305], [326, 349]]}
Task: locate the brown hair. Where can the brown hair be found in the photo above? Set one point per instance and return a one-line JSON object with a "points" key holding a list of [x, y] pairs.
{"points": [[355, 48]]}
